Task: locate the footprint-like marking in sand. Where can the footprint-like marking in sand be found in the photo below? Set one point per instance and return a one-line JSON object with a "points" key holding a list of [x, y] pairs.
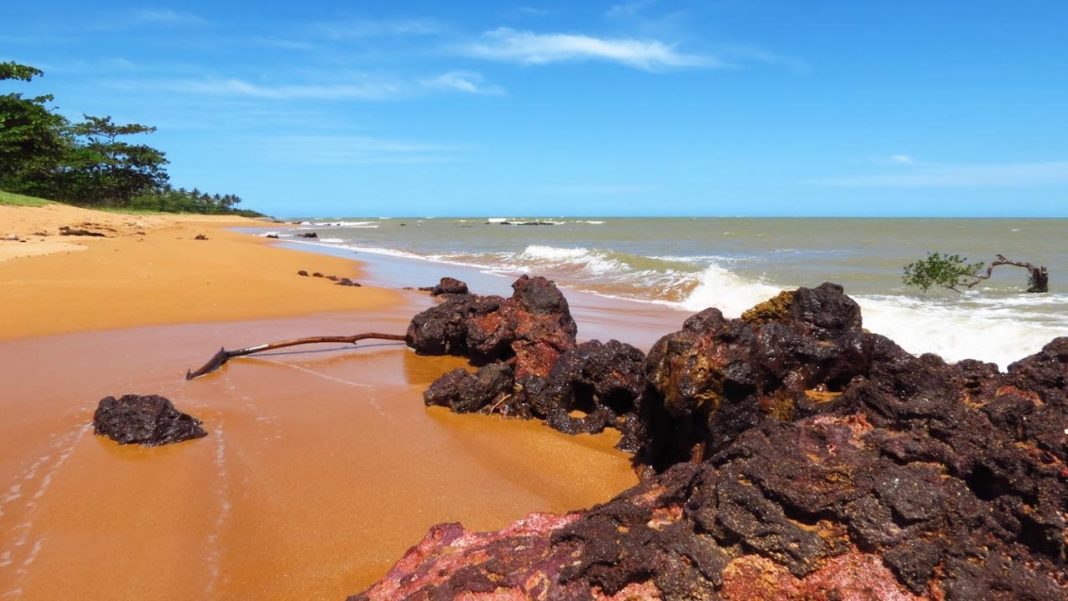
{"points": [[362, 385], [213, 556], [20, 554], [255, 409]]}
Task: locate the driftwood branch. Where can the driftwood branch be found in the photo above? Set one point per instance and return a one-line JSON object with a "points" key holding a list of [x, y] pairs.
{"points": [[1038, 277], [224, 355]]}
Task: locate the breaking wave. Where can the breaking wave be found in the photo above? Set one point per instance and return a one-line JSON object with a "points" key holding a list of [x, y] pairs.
{"points": [[995, 326]]}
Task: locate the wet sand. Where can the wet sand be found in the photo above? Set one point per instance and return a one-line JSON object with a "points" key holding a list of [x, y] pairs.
{"points": [[321, 468], [322, 465]]}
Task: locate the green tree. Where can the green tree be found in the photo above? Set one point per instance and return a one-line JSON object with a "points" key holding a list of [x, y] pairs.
{"points": [[102, 169], [955, 272], [33, 138]]}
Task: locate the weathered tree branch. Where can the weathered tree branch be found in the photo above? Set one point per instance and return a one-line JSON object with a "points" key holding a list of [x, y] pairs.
{"points": [[224, 355], [1037, 280]]}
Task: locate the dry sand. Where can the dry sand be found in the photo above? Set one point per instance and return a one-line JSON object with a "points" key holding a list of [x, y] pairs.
{"points": [[151, 270], [321, 467]]}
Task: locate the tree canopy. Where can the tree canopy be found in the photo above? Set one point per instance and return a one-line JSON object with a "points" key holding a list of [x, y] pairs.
{"points": [[90, 162], [954, 272]]}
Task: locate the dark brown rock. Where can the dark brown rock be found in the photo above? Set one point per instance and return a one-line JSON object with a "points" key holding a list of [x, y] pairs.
{"points": [[73, 231], [464, 392], [146, 420], [309, 235], [447, 285], [796, 457]]}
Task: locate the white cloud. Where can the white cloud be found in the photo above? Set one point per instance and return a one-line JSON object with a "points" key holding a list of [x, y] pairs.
{"points": [[463, 81], [900, 159], [531, 48], [369, 90], [1004, 175], [364, 88]]}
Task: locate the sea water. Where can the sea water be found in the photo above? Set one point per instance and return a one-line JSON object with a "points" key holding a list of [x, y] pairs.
{"points": [[732, 264]]}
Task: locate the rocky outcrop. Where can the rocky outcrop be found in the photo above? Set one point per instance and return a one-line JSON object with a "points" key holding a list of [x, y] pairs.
{"points": [[447, 285], [791, 455], [150, 421]]}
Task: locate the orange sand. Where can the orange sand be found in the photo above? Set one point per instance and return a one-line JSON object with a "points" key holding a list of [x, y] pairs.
{"points": [[320, 469], [152, 270]]}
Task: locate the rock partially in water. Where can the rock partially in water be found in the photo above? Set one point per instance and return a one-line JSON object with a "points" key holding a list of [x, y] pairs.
{"points": [[149, 420], [447, 285], [794, 456], [532, 328]]}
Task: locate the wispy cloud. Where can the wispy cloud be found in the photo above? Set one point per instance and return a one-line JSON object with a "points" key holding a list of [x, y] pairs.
{"points": [[463, 81], [360, 88], [627, 9], [900, 159], [166, 16], [525, 47], [367, 90], [1004, 175], [368, 28], [351, 150], [145, 18]]}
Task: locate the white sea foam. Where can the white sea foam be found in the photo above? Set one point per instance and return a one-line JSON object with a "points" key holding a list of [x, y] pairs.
{"points": [[592, 262], [359, 224], [998, 330], [723, 289], [537, 251], [331, 240], [992, 325], [993, 332]]}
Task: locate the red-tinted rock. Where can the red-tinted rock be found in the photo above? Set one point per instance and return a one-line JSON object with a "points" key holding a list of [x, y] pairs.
{"points": [[833, 465]]}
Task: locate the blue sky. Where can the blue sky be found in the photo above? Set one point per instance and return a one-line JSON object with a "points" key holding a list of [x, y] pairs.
{"points": [[649, 107]]}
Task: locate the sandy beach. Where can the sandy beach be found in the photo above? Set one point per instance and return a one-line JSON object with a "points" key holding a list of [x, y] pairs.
{"points": [[321, 467]]}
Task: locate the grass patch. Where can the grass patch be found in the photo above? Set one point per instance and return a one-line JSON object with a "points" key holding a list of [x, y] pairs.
{"points": [[18, 200]]}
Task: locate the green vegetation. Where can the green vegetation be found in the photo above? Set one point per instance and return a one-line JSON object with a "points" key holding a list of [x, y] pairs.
{"points": [[946, 271], [19, 200], [90, 162], [954, 272]]}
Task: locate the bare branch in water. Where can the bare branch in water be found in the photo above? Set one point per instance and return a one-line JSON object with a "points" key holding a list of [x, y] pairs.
{"points": [[220, 358]]}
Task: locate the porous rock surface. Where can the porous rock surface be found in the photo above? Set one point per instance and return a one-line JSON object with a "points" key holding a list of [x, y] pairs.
{"points": [[446, 285], [789, 455], [149, 420]]}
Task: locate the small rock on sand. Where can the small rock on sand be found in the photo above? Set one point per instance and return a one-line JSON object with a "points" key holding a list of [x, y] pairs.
{"points": [[149, 420]]}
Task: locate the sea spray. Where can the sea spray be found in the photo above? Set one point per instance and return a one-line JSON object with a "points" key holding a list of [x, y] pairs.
{"points": [[732, 264]]}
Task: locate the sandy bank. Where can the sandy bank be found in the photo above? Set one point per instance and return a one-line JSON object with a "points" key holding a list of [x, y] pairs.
{"points": [[151, 270], [319, 470], [321, 466]]}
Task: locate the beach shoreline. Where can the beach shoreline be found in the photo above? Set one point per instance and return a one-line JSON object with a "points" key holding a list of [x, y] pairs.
{"points": [[152, 270], [321, 465]]}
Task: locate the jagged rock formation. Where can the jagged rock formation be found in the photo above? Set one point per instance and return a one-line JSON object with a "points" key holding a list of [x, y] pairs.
{"points": [[146, 420], [447, 285], [793, 456]]}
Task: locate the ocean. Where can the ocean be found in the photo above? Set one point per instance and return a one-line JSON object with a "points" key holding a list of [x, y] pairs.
{"points": [[732, 264]]}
